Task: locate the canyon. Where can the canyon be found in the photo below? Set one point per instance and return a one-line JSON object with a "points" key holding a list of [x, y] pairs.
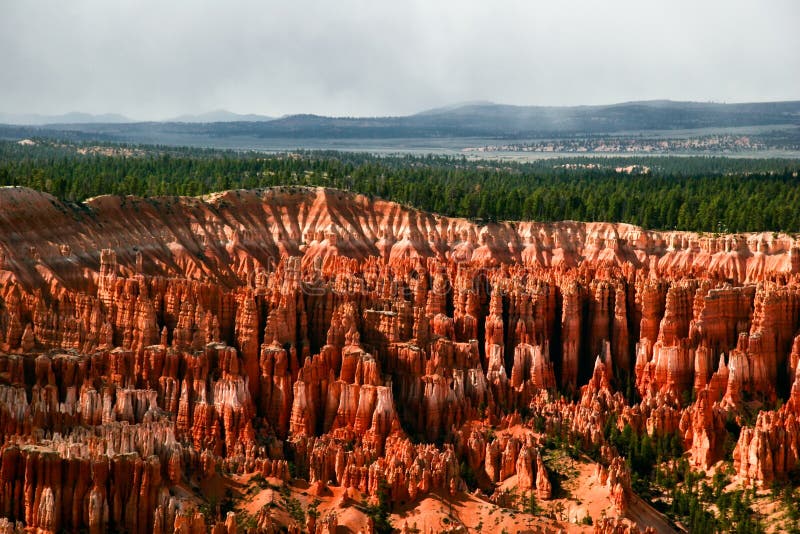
{"points": [[195, 364]]}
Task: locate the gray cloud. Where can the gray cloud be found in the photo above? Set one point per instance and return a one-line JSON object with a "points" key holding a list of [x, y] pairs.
{"points": [[152, 59]]}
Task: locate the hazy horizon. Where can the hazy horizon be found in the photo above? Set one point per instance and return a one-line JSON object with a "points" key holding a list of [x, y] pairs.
{"points": [[153, 61], [200, 114]]}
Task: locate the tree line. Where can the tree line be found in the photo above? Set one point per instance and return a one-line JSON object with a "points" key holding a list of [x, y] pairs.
{"points": [[707, 194]]}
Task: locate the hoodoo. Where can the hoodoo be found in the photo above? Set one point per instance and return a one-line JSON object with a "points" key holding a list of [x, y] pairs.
{"points": [[154, 349]]}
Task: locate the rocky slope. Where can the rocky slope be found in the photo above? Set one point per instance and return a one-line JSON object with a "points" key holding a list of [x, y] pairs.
{"points": [[153, 348]]}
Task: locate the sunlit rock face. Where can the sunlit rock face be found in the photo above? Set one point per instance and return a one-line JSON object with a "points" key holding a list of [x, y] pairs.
{"points": [[147, 345]]}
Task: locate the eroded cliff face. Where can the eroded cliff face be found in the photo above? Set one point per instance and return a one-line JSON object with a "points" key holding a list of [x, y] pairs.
{"points": [[149, 345]]}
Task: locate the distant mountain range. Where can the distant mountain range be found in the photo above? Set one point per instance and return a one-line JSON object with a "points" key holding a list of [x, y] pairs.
{"points": [[34, 119], [477, 119], [221, 115]]}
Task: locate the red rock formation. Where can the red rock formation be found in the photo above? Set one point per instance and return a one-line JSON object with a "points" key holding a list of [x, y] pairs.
{"points": [[615, 525], [571, 335], [703, 428], [544, 489], [616, 477], [621, 349], [794, 358], [770, 449], [169, 342]]}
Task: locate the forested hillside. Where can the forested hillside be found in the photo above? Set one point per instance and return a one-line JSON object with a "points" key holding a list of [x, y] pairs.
{"points": [[700, 194]]}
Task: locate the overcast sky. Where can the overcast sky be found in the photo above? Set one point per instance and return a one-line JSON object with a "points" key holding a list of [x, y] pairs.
{"points": [[153, 59]]}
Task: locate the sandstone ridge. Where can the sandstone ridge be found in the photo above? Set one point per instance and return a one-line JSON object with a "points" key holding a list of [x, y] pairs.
{"points": [[225, 237]]}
